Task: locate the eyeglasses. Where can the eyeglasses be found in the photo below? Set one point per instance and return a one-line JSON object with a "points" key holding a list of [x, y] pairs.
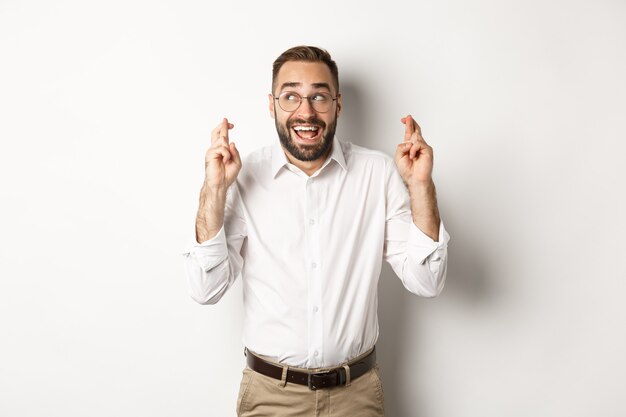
{"points": [[290, 101]]}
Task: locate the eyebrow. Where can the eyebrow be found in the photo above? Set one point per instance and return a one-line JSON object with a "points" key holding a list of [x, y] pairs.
{"points": [[314, 85]]}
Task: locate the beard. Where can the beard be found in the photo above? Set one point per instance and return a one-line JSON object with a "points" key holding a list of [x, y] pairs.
{"points": [[306, 152]]}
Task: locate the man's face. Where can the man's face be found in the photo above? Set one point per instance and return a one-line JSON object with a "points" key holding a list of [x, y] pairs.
{"points": [[305, 133]]}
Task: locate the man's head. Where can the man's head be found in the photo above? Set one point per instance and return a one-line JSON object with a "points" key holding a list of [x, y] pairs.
{"points": [[305, 54], [307, 75]]}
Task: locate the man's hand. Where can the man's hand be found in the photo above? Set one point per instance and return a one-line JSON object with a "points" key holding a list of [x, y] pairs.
{"points": [[221, 166], [222, 162], [414, 158]]}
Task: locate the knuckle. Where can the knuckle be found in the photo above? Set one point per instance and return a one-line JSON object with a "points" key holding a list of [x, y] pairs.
{"points": [[218, 144]]}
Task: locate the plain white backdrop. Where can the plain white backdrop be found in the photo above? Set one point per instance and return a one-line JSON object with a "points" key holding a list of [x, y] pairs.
{"points": [[105, 115]]}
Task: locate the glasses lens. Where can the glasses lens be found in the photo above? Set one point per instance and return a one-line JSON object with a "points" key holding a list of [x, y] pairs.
{"points": [[289, 101], [321, 102]]}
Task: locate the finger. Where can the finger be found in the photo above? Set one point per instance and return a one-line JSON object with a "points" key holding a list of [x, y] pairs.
{"points": [[221, 131], [417, 137], [416, 127], [415, 149], [420, 149], [218, 152], [220, 141], [224, 130], [401, 150], [217, 132], [235, 154], [408, 127]]}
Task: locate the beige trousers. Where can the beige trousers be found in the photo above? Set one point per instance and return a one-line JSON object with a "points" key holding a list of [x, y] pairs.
{"points": [[262, 396]]}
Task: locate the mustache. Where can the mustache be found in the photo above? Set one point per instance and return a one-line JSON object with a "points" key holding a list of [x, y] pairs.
{"points": [[312, 121]]}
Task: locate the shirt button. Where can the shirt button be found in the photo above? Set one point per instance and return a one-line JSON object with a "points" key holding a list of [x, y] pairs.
{"points": [[311, 222], [313, 265], [315, 353], [315, 309]]}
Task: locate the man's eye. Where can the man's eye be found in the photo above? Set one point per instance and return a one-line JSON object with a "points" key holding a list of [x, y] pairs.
{"points": [[291, 97], [319, 97]]}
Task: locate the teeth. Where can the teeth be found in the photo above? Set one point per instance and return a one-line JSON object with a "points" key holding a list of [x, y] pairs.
{"points": [[313, 128]]}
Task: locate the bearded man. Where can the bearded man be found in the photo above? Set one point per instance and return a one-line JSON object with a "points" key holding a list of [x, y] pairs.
{"points": [[307, 222]]}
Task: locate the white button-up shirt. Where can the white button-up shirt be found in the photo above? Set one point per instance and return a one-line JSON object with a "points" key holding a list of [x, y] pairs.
{"points": [[310, 250]]}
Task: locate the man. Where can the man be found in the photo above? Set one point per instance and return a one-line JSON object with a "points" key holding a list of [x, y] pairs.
{"points": [[307, 223]]}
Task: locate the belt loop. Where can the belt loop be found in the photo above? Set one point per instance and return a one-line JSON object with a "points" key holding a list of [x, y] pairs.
{"points": [[347, 368], [283, 379]]}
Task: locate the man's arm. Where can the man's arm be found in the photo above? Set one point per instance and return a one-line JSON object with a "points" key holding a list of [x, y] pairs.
{"points": [[213, 265], [222, 164], [414, 159], [415, 239]]}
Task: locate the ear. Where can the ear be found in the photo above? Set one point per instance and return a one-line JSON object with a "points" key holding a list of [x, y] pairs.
{"points": [[338, 104], [272, 111]]}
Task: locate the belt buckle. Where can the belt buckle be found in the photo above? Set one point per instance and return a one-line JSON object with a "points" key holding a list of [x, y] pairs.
{"points": [[311, 383]]}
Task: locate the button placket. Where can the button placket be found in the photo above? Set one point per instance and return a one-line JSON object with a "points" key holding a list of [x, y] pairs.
{"points": [[314, 273]]}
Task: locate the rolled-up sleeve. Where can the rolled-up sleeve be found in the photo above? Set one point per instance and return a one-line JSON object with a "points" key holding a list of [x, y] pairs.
{"points": [[212, 267]]}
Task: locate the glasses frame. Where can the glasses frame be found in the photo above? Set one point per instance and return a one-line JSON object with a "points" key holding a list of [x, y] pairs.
{"points": [[301, 98]]}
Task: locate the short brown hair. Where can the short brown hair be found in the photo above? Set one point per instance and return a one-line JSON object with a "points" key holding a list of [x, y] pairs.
{"points": [[306, 54]]}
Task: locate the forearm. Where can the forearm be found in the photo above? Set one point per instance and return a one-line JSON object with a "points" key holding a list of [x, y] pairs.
{"points": [[210, 216], [213, 265], [424, 210]]}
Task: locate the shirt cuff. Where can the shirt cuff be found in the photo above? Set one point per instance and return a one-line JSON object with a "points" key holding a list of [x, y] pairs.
{"points": [[212, 252], [422, 246]]}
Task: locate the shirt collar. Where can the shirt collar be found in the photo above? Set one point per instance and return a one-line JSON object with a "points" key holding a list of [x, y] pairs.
{"points": [[279, 159]]}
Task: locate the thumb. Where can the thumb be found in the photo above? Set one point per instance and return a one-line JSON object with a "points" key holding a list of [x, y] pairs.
{"points": [[401, 150], [235, 153]]}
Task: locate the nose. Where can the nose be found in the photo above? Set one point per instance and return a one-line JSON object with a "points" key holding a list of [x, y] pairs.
{"points": [[306, 109]]}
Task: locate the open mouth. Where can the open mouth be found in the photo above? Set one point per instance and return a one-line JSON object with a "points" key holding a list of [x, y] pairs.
{"points": [[307, 133]]}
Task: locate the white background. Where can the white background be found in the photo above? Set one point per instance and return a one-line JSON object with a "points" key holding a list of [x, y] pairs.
{"points": [[105, 114]]}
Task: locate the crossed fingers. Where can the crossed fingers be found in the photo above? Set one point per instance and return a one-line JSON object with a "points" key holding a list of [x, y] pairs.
{"points": [[220, 133], [412, 131], [220, 142], [414, 142]]}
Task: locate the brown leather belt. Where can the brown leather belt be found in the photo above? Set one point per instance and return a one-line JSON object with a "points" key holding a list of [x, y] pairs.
{"points": [[326, 379]]}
